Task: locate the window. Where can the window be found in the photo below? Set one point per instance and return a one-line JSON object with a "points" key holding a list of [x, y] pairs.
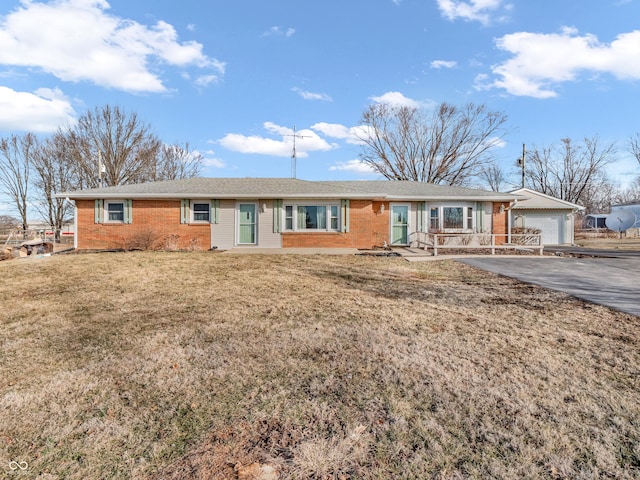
{"points": [[311, 217], [288, 217], [115, 212], [201, 211], [460, 218], [434, 219], [452, 217], [333, 217]]}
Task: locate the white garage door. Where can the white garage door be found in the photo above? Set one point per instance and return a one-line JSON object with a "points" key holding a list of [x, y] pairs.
{"points": [[551, 224]]}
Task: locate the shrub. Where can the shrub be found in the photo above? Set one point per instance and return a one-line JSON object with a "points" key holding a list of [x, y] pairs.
{"points": [[143, 239]]}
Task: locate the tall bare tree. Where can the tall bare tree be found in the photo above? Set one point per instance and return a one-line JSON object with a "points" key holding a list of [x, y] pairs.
{"points": [[634, 146], [447, 146], [53, 173], [569, 172], [493, 176], [120, 142], [16, 155], [176, 162]]}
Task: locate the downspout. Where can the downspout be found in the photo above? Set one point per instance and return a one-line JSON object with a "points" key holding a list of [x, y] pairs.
{"points": [[75, 222]]}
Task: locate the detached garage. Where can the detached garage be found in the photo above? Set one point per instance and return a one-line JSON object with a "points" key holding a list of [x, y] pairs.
{"points": [[552, 216]]}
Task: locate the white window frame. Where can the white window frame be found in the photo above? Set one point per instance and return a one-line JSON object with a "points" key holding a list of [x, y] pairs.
{"points": [[192, 212], [465, 217], [106, 210], [328, 216]]}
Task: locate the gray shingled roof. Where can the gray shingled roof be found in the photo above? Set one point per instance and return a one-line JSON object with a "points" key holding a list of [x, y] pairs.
{"points": [[288, 188]]}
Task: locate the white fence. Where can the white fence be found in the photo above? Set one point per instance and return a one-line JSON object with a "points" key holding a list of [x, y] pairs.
{"points": [[478, 241], [16, 237]]}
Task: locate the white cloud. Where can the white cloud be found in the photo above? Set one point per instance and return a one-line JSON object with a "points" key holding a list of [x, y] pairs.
{"points": [[307, 141], [541, 62], [443, 64], [78, 40], [396, 99], [335, 130], [279, 32], [206, 80], [355, 166], [312, 96], [42, 111], [210, 160], [474, 10]]}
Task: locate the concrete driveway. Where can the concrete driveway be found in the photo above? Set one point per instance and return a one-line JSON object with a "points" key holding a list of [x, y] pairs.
{"points": [[613, 282]]}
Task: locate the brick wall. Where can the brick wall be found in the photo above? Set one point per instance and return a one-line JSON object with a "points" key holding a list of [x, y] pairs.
{"points": [[499, 222], [368, 227], [156, 222]]}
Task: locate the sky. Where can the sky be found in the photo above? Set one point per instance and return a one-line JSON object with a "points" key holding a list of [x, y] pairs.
{"points": [[234, 78]]}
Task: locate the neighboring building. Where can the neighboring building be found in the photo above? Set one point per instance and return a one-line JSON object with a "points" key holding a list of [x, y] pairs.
{"points": [[595, 221], [555, 218], [225, 213]]}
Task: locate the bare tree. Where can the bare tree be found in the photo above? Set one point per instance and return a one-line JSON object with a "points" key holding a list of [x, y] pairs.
{"points": [[53, 174], [16, 154], [634, 146], [448, 146], [494, 176], [119, 142], [629, 194], [176, 162], [7, 222], [569, 172]]}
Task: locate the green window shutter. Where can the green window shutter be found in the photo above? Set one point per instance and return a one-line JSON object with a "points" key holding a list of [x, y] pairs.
{"points": [[479, 217], [98, 211], [215, 211], [344, 208], [128, 211], [277, 216], [184, 210], [421, 220]]}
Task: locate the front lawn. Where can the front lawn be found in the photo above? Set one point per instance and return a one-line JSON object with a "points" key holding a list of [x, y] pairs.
{"points": [[191, 365]]}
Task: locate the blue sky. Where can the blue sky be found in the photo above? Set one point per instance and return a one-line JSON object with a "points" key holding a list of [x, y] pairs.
{"points": [[232, 78]]}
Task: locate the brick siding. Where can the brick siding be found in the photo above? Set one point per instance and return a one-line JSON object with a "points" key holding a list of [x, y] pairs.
{"points": [[368, 227], [153, 221], [499, 223]]}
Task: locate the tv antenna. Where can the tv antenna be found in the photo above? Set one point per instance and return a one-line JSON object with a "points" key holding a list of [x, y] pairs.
{"points": [[294, 157]]}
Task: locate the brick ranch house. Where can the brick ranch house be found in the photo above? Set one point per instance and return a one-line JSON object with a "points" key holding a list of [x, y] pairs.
{"points": [[225, 213]]}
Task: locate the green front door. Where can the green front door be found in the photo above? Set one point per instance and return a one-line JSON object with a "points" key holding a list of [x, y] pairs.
{"points": [[399, 224], [247, 223]]}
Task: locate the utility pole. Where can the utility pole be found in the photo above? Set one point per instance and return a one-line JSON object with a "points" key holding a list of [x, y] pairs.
{"points": [[294, 157], [521, 161]]}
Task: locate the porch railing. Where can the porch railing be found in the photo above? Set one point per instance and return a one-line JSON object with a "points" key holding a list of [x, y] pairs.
{"points": [[477, 241]]}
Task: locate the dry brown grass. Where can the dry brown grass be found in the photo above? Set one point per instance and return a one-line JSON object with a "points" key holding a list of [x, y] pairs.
{"points": [[186, 365], [610, 242]]}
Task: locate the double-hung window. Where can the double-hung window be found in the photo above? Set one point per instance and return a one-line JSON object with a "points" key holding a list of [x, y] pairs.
{"points": [[434, 219], [115, 211], [201, 212], [311, 217]]}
